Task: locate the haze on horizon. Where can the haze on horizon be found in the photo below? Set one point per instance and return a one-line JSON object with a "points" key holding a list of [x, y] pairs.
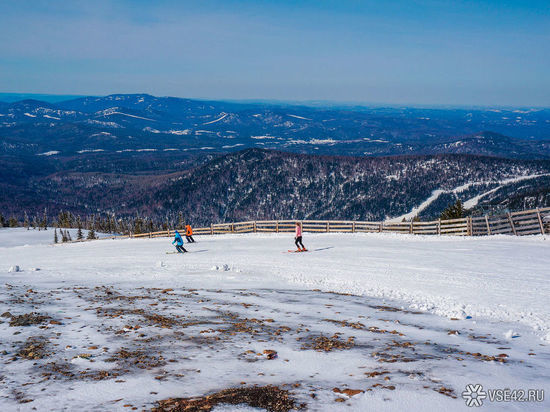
{"points": [[422, 52]]}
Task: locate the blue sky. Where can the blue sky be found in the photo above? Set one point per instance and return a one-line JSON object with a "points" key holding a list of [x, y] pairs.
{"points": [[399, 52]]}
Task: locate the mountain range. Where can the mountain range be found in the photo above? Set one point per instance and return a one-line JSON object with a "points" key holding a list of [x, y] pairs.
{"points": [[221, 161]]}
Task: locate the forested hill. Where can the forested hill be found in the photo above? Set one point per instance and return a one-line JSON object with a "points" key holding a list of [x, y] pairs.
{"points": [[266, 184], [262, 184]]}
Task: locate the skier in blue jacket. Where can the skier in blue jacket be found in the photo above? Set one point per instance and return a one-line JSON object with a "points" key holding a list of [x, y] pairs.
{"points": [[178, 240]]}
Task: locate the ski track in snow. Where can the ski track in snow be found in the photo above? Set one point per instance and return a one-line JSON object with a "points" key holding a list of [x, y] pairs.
{"points": [[126, 114], [475, 200], [298, 117], [467, 204], [217, 120]]}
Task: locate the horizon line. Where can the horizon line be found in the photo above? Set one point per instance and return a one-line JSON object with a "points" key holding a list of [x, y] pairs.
{"points": [[61, 97]]}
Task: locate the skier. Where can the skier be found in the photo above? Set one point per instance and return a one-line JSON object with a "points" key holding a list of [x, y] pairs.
{"points": [[298, 238], [189, 234], [178, 240]]}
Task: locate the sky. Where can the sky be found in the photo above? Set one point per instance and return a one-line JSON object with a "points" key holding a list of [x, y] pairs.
{"points": [[427, 52]]}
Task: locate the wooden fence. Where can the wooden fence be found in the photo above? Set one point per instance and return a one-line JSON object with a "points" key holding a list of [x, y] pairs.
{"points": [[528, 222]]}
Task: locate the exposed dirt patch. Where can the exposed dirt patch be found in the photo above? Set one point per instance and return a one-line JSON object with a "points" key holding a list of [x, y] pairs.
{"points": [[268, 397], [28, 319], [137, 358], [327, 344], [34, 348]]}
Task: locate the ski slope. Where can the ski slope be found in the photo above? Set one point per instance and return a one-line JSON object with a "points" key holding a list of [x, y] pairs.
{"points": [[468, 204], [223, 116], [447, 298]]}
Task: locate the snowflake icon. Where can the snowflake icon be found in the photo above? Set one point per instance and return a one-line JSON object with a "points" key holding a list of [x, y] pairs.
{"points": [[474, 395]]}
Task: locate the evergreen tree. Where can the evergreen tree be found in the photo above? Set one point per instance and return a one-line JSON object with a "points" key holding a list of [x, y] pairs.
{"points": [[45, 220], [55, 239], [13, 222], [79, 235], [453, 211], [2, 220], [69, 239], [138, 226], [63, 236], [26, 222], [91, 234]]}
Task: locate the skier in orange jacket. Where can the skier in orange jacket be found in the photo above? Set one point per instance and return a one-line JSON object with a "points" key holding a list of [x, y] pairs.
{"points": [[189, 234]]}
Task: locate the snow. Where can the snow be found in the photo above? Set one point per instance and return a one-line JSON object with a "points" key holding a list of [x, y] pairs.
{"points": [[468, 204], [418, 309], [23, 238], [179, 132], [151, 130], [298, 117], [29, 115], [475, 200], [262, 137], [90, 150], [113, 111], [51, 117], [223, 116], [313, 141], [50, 153]]}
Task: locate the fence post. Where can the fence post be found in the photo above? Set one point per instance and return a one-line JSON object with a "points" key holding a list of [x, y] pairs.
{"points": [[512, 223], [439, 226], [276, 226], [488, 225], [469, 229], [540, 222], [380, 227], [411, 227], [327, 227], [211, 229], [254, 226], [353, 227]]}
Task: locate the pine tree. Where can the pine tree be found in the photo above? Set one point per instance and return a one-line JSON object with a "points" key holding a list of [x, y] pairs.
{"points": [[91, 234], [69, 239], [55, 239], [13, 222], [79, 235], [453, 211], [2, 221], [45, 220], [63, 236], [26, 221]]}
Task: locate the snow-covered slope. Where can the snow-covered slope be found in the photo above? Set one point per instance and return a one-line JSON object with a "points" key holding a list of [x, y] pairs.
{"points": [[446, 305]]}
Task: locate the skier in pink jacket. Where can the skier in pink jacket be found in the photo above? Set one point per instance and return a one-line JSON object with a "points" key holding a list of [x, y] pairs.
{"points": [[298, 238]]}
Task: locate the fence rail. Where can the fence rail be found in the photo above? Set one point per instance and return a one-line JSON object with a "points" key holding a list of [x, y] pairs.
{"points": [[527, 222]]}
